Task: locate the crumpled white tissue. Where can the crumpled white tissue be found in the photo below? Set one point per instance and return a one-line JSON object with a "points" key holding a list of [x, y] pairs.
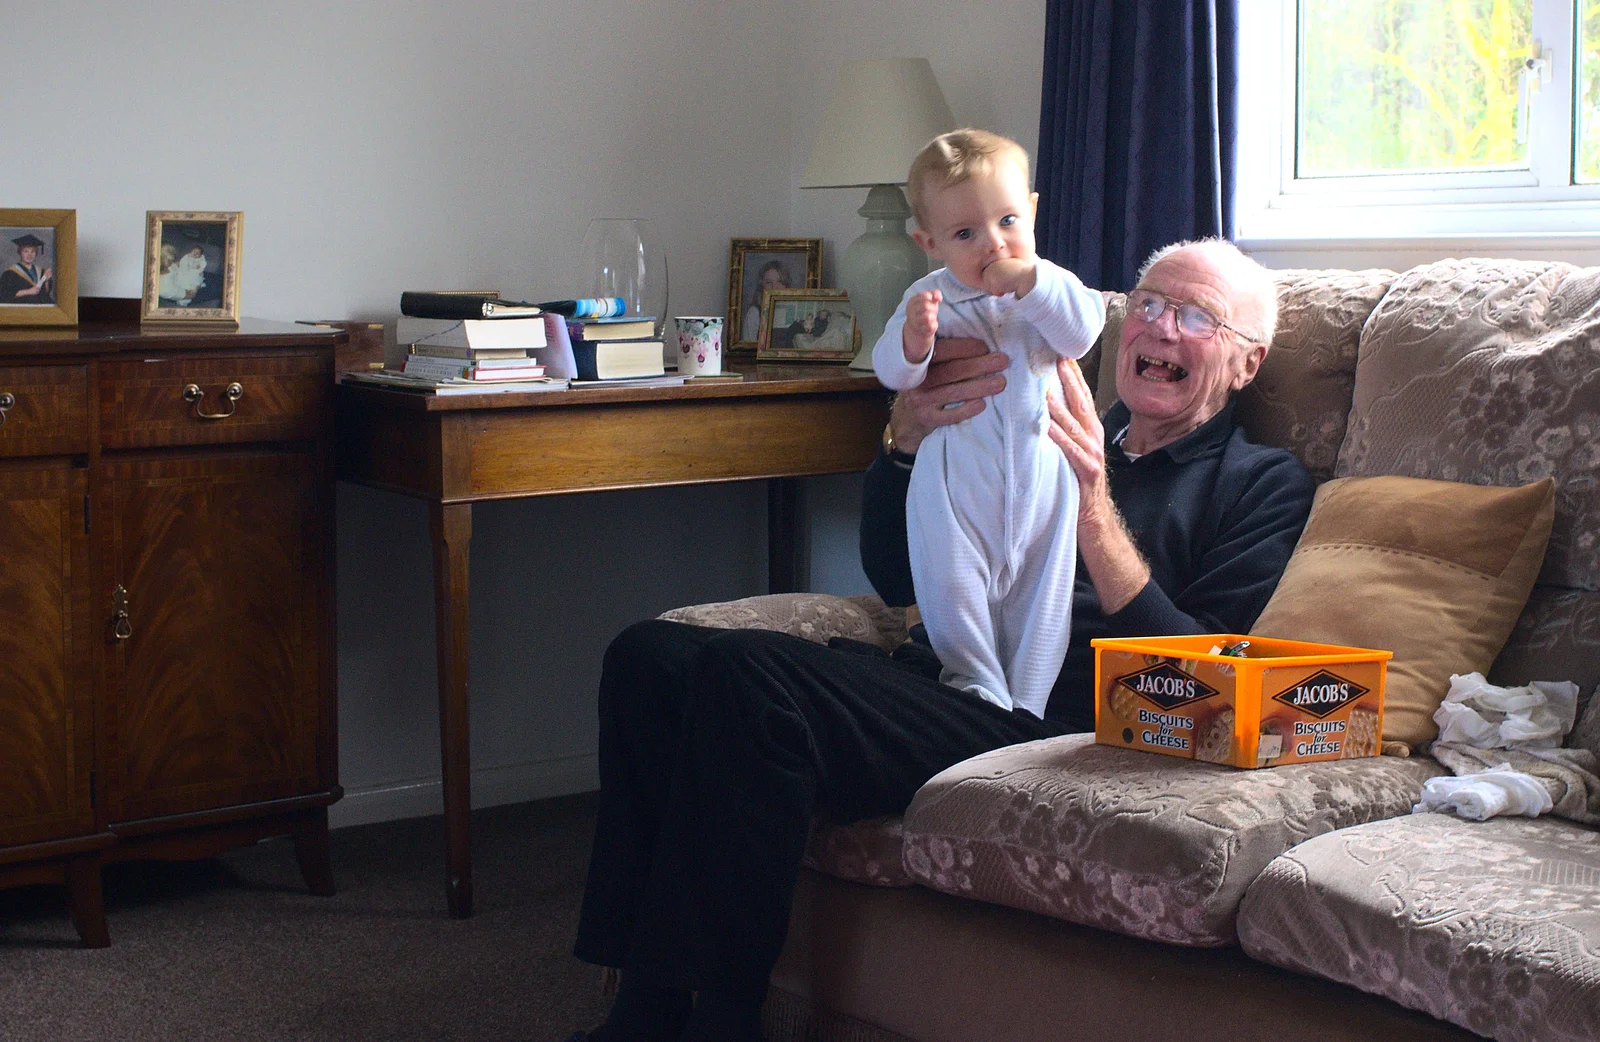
{"points": [[1527, 722], [1535, 716], [1499, 790]]}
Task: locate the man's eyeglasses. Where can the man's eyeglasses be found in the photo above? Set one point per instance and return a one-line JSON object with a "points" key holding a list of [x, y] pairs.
{"points": [[1193, 320]]}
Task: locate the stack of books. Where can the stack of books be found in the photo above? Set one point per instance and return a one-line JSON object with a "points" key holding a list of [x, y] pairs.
{"points": [[611, 349], [487, 350]]}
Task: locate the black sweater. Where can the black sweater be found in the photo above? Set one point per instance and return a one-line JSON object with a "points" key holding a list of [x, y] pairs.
{"points": [[1215, 517]]}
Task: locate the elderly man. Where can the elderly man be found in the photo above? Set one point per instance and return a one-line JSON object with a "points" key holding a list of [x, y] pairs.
{"points": [[1183, 525], [719, 747]]}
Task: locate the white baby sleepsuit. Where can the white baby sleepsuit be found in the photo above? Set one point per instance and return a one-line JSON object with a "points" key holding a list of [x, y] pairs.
{"points": [[992, 509]]}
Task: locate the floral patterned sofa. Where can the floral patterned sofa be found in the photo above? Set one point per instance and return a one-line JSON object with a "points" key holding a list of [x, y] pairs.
{"points": [[1062, 889]]}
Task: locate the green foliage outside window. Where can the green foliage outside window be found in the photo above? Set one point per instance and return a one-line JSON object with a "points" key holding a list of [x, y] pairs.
{"points": [[1588, 164], [1406, 86]]}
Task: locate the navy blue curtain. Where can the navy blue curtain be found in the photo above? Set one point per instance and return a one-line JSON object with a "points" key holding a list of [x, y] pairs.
{"points": [[1137, 131]]}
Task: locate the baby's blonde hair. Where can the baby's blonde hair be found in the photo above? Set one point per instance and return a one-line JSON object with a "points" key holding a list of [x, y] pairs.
{"points": [[958, 156]]}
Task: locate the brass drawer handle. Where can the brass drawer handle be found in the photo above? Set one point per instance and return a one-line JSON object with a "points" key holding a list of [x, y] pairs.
{"points": [[7, 401], [233, 393], [121, 622]]}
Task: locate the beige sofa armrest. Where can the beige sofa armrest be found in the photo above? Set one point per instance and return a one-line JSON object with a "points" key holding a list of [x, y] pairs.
{"points": [[814, 616]]}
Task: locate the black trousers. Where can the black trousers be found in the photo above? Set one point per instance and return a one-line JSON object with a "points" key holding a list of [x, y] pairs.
{"points": [[717, 749]]}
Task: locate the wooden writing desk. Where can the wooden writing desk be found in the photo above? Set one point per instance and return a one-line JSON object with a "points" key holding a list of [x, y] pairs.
{"points": [[780, 424]]}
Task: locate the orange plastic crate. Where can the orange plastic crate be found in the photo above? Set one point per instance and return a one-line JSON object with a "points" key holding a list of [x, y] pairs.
{"points": [[1289, 701]]}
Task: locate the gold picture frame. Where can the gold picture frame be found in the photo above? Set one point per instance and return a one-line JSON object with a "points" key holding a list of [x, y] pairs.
{"points": [[191, 267], [795, 263], [51, 238], [808, 325]]}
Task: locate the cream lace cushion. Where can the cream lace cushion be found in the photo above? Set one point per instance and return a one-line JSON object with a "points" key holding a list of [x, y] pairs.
{"points": [[1493, 925], [1145, 845], [1300, 399], [1435, 571], [1557, 638], [814, 616], [863, 851]]}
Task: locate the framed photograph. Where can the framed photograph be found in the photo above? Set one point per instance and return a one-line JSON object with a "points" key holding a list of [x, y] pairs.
{"points": [[808, 325], [38, 267], [191, 267], [756, 266]]}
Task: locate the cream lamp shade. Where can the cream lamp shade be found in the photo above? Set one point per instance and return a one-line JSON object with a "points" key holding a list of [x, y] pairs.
{"points": [[880, 114]]}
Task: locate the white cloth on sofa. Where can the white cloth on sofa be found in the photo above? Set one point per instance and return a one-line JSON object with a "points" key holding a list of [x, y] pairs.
{"points": [[1499, 790], [1501, 743], [1535, 716]]}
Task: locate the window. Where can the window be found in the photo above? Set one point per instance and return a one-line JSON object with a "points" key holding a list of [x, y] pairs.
{"points": [[1419, 117]]}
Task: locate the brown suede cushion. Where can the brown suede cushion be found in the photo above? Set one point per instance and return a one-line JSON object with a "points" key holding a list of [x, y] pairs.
{"points": [[1435, 571]]}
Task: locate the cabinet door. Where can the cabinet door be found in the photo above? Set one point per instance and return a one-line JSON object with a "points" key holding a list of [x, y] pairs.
{"points": [[46, 655], [215, 696]]}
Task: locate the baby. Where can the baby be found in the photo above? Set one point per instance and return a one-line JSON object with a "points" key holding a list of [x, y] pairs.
{"points": [[992, 511]]}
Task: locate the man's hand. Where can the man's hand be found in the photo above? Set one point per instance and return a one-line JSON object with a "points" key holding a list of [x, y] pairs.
{"points": [[1010, 275], [963, 371], [1076, 428], [1113, 562], [922, 324]]}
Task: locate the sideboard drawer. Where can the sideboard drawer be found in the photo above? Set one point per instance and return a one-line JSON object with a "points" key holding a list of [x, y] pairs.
{"points": [[174, 400], [44, 410]]}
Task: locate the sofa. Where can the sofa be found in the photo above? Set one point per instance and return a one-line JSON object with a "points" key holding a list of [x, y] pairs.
{"points": [[1063, 889]]}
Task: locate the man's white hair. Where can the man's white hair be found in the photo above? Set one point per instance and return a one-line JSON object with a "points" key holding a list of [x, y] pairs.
{"points": [[1256, 282]]}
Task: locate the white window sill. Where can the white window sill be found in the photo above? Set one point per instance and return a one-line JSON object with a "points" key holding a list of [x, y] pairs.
{"points": [[1302, 222]]}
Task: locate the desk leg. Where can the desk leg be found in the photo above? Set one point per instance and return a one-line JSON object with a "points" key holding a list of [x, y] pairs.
{"points": [[451, 525], [783, 546]]}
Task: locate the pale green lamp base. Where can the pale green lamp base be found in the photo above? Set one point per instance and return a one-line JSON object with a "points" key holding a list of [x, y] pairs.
{"points": [[877, 268]]}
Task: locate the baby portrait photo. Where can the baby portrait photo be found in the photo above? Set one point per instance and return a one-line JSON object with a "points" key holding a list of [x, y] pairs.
{"points": [[816, 325], [191, 262], [759, 265]]}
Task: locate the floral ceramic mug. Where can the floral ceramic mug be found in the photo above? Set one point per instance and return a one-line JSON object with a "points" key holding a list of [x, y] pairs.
{"points": [[699, 345]]}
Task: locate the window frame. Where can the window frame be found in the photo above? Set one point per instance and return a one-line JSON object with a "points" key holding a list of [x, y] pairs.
{"points": [[1273, 203]]}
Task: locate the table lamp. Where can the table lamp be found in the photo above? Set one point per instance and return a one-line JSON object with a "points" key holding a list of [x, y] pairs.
{"points": [[881, 113]]}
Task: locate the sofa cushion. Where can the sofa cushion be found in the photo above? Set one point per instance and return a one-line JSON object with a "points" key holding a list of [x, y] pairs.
{"points": [[1300, 398], [1488, 371], [862, 851], [814, 616], [1491, 925], [1435, 571], [1146, 845], [1557, 638]]}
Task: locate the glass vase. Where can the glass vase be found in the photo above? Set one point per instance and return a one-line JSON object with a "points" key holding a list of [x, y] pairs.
{"points": [[620, 258]]}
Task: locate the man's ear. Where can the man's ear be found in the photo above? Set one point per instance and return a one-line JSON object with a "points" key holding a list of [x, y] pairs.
{"points": [[1249, 364], [923, 239]]}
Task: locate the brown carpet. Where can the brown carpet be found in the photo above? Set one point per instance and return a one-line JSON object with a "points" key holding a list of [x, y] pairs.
{"points": [[235, 949]]}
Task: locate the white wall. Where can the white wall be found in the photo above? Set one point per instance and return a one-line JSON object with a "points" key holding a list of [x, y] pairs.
{"points": [[376, 147]]}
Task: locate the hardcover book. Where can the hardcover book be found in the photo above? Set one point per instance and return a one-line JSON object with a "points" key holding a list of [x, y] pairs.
{"points": [[523, 333], [614, 359]]}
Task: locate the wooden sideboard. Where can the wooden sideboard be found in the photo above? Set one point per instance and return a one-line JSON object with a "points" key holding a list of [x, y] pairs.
{"points": [[167, 673]]}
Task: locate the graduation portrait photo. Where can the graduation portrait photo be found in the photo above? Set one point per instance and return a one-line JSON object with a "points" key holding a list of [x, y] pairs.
{"points": [[38, 267]]}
